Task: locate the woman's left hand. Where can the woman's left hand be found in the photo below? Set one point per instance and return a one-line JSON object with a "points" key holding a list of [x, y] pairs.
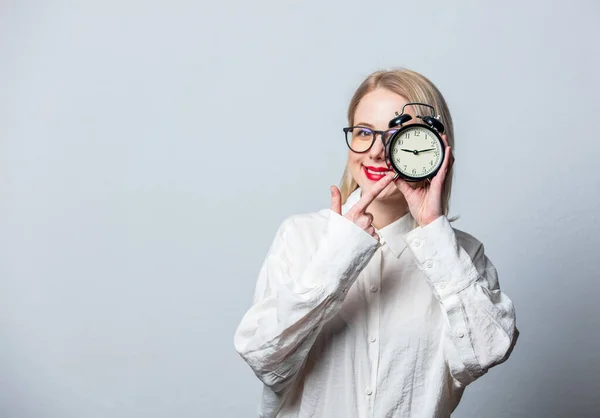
{"points": [[425, 202]]}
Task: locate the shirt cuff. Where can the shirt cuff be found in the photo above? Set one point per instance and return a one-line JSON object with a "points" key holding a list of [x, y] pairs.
{"points": [[343, 252], [439, 256]]}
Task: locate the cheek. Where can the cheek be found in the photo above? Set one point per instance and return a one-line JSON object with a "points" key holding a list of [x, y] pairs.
{"points": [[354, 160], [354, 166]]}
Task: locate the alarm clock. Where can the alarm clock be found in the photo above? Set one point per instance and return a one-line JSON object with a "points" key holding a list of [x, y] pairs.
{"points": [[415, 151]]}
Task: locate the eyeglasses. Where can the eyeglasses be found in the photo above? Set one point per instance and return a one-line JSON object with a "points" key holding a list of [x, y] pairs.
{"points": [[360, 138]]}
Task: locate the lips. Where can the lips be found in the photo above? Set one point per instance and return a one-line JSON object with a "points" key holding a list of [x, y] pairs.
{"points": [[375, 173]]}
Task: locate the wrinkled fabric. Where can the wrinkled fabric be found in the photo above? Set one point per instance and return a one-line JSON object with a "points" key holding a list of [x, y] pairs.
{"points": [[345, 326]]}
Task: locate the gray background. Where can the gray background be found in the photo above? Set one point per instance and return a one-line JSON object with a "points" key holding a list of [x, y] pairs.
{"points": [[149, 151]]}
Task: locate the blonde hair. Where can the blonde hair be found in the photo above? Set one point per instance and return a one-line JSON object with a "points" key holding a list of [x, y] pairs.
{"points": [[415, 88]]}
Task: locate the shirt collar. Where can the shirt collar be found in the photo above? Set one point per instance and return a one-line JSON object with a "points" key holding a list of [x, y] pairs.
{"points": [[392, 234]]}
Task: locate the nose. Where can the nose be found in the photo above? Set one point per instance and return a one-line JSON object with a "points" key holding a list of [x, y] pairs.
{"points": [[377, 150]]}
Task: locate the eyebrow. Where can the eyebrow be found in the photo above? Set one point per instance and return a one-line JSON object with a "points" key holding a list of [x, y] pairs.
{"points": [[368, 125]]}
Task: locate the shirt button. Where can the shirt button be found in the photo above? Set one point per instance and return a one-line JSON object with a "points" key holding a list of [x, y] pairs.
{"points": [[429, 264], [460, 334], [372, 339], [442, 285], [345, 290], [368, 391], [416, 243], [374, 288]]}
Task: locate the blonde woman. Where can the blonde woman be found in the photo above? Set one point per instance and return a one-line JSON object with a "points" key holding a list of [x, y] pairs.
{"points": [[376, 306]]}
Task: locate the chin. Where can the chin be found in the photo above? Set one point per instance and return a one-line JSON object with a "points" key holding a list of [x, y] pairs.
{"points": [[390, 192]]}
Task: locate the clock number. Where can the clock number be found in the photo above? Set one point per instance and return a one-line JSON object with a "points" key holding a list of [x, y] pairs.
{"points": [[401, 141], [431, 162], [424, 170], [405, 166], [407, 135], [414, 171], [417, 133]]}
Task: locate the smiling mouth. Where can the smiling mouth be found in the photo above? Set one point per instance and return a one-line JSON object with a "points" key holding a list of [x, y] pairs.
{"points": [[376, 173]]}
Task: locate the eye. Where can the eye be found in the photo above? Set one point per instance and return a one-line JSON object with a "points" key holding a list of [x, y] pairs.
{"points": [[362, 132]]}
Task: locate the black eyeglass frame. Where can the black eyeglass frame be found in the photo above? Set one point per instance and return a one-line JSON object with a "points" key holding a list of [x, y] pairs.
{"points": [[375, 133]]}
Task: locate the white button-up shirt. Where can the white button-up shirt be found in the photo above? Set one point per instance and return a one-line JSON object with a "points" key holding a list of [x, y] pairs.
{"points": [[345, 326]]}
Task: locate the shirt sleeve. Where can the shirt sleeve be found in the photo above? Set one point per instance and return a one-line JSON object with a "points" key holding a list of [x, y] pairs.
{"points": [[298, 290], [481, 318]]}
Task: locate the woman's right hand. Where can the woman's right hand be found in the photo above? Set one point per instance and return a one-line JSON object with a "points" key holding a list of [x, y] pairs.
{"points": [[358, 213]]}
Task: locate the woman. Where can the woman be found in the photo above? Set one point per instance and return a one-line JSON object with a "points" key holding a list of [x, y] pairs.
{"points": [[379, 307]]}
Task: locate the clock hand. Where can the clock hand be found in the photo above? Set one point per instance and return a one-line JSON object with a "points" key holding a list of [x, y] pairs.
{"points": [[416, 152]]}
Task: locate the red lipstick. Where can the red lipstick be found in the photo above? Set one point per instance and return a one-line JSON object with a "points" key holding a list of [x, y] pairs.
{"points": [[375, 173]]}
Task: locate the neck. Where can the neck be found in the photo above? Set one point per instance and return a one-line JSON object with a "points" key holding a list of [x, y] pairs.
{"points": [[386, 211]]}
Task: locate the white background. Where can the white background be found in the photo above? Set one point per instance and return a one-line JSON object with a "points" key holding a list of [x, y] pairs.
{"points": [[149, 151]]}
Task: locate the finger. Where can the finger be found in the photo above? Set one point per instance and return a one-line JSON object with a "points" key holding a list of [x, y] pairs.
{"points": [[374, 234], [441, 175], [368, 197], [369, 217], [363, 221], [448, 150], [445, 163], [336, 200], [371, 231], [403, 186], [445, 140]]}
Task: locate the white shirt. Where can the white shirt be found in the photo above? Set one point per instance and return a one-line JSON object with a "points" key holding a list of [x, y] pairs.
{"points": [[345, 326]]}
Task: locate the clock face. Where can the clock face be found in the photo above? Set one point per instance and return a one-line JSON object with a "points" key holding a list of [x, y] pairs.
{"points": [[416, 152]]}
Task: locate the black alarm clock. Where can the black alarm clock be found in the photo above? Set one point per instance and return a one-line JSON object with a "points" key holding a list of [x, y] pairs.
{"points": [[416, 151]]}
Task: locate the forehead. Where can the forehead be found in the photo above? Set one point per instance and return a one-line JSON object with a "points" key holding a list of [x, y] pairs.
{"points": [[379, 106]]}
